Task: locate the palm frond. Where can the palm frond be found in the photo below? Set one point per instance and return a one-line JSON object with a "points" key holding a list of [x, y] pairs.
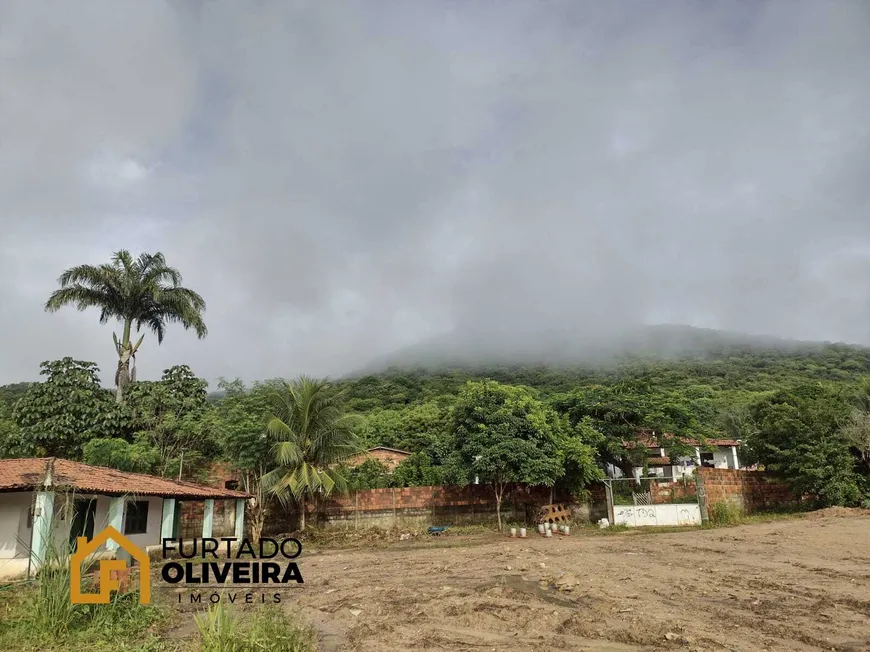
{"points": [[312, 435], [82, 298], [144, 292]]}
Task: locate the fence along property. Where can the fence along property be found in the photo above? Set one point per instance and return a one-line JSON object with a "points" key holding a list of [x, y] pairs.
{"points": [[441, 505], [687, 501], [657, 503]]}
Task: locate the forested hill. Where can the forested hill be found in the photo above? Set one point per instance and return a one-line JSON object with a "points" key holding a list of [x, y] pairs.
{"points": [[727, 374]]}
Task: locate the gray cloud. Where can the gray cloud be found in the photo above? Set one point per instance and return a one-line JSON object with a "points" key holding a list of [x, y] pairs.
{"points": [[342, 179]]}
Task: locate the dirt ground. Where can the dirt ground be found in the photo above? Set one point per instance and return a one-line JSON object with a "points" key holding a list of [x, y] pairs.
{"points": [[801, 584]]}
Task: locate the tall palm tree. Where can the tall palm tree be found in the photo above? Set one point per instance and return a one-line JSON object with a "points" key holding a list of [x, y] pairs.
{"points": [[138, 292], [312, 434]]}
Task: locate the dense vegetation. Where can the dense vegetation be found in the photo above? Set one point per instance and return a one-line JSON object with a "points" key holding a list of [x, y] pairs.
{"points": [[802, 410], [792, 407]]}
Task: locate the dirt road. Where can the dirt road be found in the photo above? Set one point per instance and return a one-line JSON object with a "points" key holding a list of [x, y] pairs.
{"points": [[789, 585]]}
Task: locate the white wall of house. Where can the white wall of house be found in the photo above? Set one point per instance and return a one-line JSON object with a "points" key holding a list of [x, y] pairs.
{"points": [[151, 537], [14, 533], [723, 458]]}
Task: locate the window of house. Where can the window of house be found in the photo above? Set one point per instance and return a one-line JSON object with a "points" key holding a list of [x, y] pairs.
{"points": [[136, 517], [707, 460], [231, 484]]}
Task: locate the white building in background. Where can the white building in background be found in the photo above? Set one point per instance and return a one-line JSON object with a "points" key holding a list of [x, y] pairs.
{"points": [[714, 453]]}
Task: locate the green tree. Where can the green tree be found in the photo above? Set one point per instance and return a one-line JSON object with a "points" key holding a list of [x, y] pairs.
{"points": [[243, 415], [313, 434], [417, 470], [856, 430], [173, 416], [798, 436], [138, 292], [10, 434], [58, 416], [502, 435], [117, 453], [625, 413], [420, 428], [370, 474], [576, 449]]}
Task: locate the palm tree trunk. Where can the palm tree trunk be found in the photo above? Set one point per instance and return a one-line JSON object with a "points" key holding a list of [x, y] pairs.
{"points": [[123, 375], [302, 515]]}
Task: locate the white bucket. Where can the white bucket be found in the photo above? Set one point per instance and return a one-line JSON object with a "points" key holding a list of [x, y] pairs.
{"points": [[513, 532], [566, 531], [549, 533], [522, 533], [542, 528]]}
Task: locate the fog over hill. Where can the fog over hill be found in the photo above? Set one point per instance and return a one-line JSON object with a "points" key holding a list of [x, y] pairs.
{"points": [[557, 348], [341, 179]]}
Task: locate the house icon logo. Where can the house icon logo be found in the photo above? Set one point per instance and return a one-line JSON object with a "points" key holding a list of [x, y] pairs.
{"points": [[107, 566]]}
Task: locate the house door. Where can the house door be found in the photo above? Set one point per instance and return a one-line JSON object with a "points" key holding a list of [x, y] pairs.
{"points": [[84, 512]]}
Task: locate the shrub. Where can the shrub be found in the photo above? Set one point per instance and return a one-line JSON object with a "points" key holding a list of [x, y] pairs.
{"points": [[724, 513]]}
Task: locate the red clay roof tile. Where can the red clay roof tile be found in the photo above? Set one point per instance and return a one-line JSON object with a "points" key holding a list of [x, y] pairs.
{"points": [[29, 473]]}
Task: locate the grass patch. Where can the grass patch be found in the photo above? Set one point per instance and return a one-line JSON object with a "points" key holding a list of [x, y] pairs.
{"points": [[42, 618], [268, 630], [724, 513], [39, 615]]}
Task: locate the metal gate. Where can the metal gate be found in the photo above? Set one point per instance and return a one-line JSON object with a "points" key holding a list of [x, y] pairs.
{"points": [[653, 501]]}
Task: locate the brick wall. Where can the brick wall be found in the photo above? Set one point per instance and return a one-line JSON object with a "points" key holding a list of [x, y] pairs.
{"points": [[674, 492], [751, 491], [443, 505], [223, 518]]}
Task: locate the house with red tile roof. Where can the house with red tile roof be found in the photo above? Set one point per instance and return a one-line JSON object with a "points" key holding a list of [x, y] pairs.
{"points": [[51, 501], [713, 453]]}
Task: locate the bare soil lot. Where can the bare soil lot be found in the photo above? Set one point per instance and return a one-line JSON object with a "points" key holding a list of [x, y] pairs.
{"points": [[799, 584]]}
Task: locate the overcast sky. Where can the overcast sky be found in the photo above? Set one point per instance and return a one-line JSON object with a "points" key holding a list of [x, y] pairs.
{"points": [[342, 179]]}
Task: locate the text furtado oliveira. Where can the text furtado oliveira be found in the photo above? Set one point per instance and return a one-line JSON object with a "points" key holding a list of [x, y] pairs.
{"points": [[243, 563]]}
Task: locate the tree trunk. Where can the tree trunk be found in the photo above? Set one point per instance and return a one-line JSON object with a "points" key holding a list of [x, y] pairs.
{"points": [[122, 376], [302, 515], [499, 492], [257, 521], [256, 507]]}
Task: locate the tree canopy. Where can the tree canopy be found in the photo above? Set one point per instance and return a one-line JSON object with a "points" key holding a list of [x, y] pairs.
{"points": [[803, 413], [141, 292]]}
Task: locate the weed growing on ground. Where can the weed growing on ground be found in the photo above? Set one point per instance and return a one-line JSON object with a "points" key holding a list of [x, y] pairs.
{"points": [[40, 616], [725, 513], [269, 630]]}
